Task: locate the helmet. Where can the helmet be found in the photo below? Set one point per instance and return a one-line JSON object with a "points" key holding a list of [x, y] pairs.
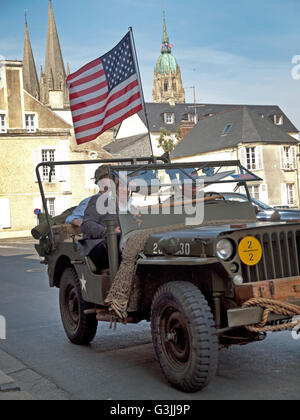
{"points": [[101, 173]]}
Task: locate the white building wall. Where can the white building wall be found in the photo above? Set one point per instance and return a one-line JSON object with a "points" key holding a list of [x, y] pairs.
{"points": [[212, 156], [132, 126], [65, 115]]}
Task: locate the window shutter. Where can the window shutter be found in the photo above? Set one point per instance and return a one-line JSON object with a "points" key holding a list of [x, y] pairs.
{"points": [[263, 193], [59, 205], [284, 199], [259, 157], [243, 156], [294, 194], [37, 158], [4, 213], [62, 171], [37, 203], [89, 175], [282, 158], [294, 157]]}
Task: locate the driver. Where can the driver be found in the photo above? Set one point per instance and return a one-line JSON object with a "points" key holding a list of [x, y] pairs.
{"points": [[94, 244]]}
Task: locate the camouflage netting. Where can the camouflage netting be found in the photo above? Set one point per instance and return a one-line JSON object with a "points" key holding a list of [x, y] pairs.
{"points": [[119, 294]]}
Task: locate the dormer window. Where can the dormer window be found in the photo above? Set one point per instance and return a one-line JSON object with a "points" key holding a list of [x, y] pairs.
{"points": [[2, 123], [226, 129], [169, 118], [192, 118], [278, 119]]}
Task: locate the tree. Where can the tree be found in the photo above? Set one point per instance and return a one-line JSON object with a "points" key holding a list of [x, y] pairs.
{"points": [[166, 141]]}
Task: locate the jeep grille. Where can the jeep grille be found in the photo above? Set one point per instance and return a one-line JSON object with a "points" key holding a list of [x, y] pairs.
{"points": [[281, 255]]}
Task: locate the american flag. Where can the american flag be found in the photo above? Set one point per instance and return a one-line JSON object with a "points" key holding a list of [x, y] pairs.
{"points": [[104, 92]]}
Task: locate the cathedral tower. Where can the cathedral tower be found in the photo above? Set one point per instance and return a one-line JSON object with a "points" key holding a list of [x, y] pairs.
{"points": [[30, 78], [167, 76], [54, 92]]}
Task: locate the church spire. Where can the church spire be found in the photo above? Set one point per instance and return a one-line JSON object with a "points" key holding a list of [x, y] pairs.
{"points": [[30, 78], [54, 72], [166, 46]]}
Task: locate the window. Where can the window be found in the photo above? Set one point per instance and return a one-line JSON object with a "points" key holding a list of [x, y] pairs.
{"points": [[288, 194], [254, 191], [227, 129], [2, 123], [48, 155], [169, 118], [192, 118], [290, 188], [251, 158], [288, 157], [166, 86], [278, 119], [30, 123], [51, 206]]}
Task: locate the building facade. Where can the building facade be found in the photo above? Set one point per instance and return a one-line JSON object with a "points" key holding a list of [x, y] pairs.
{"points": [[36, 126], [258, 142], [32, 133]]}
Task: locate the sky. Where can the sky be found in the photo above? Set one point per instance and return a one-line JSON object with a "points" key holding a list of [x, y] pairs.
{"points": [[233, 51]]}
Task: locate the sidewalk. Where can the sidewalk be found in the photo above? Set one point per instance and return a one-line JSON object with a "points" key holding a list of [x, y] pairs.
{"points": [[15, 234], [20, 382], [10, 390]]}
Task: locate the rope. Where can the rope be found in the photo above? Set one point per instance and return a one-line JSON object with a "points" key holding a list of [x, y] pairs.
{"points": [[119, 293], [277, 307]]}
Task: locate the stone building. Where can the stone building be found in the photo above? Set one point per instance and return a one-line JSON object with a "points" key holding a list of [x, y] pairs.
{"points": [[265, 142], [167, 75], [31, 133], [36, 126]]}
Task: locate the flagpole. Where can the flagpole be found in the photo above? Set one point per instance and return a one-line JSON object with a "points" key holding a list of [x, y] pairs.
{"points": [[140, 84]]}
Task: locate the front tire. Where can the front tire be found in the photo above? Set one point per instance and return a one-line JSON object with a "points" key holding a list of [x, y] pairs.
{"points": [[184, 336], [79, 327]]}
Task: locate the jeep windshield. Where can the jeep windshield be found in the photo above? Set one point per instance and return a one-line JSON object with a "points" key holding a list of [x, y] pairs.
{"points": [[181, 193]]}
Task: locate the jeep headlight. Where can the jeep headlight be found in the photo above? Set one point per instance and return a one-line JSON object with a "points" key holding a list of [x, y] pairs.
{"points": [[224, 249]]}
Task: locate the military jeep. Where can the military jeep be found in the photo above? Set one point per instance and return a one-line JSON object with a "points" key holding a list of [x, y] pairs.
{"points": [[201, 261]]}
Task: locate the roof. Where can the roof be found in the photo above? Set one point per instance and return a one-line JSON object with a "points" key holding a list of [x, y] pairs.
{"points": [[121, 144], [244, 125], [156, 112], [166, 64]]}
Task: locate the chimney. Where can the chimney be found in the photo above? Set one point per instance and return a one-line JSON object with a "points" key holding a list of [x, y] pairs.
{"points": [[186, 127]]}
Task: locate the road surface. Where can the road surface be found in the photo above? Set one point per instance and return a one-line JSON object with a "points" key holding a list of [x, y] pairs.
{"points": [[119, 364]]}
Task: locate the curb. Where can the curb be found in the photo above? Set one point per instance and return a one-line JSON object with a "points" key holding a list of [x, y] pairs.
{"points": [[10, 390]]}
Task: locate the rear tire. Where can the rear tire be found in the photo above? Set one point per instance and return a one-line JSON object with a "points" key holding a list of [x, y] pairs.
{"points": [[79, 327], [184, 336]]}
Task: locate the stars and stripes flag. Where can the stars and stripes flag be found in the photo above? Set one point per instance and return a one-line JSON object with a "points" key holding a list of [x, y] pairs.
{"points": [[104, 92]]}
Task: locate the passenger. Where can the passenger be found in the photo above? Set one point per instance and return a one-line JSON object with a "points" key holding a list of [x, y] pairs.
{"points": [[93, 226], [77, 216]]}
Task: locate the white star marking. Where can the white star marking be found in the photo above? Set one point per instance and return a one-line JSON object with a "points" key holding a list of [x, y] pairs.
{"points": [[83, 283]]}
